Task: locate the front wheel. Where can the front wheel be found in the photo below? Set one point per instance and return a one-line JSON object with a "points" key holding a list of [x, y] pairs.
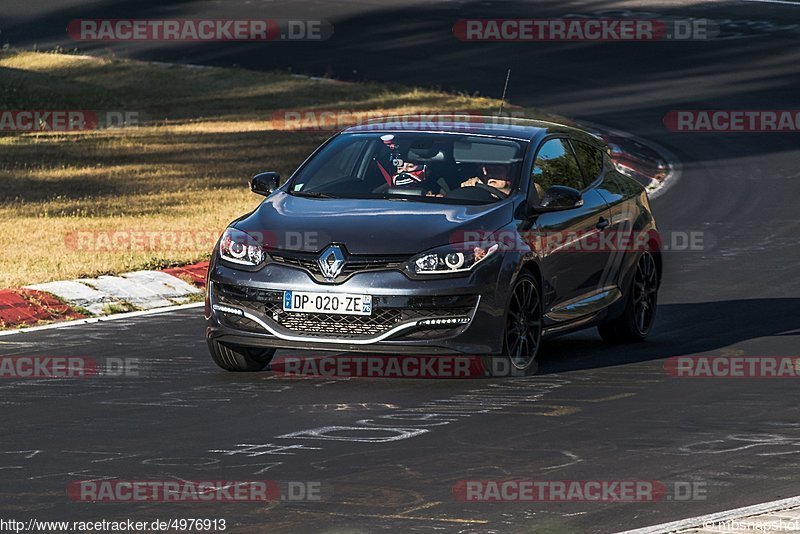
{"points": [[523, 334], [239, 358], [637, 320]]}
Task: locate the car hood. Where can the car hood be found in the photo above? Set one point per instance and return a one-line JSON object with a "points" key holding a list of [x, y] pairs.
{"points": [[368, 226]]}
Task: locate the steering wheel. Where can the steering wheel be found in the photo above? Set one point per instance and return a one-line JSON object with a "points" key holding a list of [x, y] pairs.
{"points": [[405, 176], [492, 190]]}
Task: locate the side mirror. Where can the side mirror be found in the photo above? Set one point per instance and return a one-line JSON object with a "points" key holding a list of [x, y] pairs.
{"points": [[560, 197], [264, 183]]}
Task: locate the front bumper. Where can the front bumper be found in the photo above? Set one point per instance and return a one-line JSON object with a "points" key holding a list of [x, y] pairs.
{"points": [[463, 315]]}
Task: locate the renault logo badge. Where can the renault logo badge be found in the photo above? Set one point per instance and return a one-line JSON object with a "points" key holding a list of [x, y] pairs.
{"points": [[331, 261]]}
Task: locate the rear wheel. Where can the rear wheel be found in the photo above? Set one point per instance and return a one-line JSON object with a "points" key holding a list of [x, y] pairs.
{"points": [[637, 320], [523, 334], [239, 358]]}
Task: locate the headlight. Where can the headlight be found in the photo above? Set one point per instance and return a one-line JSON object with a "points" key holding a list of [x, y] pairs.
{"points": [[242, 248], [456, 258]]}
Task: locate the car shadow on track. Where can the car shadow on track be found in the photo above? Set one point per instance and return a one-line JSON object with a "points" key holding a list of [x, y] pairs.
{"points": [[680, 330]]}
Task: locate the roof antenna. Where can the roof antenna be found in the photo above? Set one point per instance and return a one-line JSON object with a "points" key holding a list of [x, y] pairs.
{"points": [[505, 88]]}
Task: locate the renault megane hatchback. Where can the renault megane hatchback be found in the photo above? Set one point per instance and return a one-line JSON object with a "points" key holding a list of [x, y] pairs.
{"points": [[401, 239]]}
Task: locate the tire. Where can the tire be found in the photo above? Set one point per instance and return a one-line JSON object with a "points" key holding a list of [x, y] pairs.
{"points": [[239, 358], [637, 320], [523, 335]]}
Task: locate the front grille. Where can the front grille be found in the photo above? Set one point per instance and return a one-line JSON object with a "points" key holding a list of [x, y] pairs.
{"points": [[326, 324], [352, 265], [303, 263], [387, 312], [381, 320]]}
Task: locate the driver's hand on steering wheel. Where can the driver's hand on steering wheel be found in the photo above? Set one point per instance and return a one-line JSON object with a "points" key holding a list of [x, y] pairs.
{"points": [[498, 188]]}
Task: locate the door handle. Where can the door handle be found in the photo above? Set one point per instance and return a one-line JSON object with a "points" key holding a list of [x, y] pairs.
{"points": [[603, 223]]}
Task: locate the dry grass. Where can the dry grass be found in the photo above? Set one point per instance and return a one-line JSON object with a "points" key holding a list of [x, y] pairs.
{"points": [[203, 132]]}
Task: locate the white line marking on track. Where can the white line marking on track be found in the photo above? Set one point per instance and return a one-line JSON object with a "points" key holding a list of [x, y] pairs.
{"points": [[785, 2], [696, 522]]}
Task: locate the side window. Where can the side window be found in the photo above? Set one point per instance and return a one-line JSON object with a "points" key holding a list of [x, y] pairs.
{"points": [[590, 160], [556, 165]]}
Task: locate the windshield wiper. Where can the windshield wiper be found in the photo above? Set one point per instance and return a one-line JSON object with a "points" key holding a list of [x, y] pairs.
{"points": [[313, 194]]}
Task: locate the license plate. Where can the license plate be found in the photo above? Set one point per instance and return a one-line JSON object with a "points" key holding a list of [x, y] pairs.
{"points": [[339, 303]]}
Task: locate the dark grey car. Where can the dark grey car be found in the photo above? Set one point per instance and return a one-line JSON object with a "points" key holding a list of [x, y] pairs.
{"points": [[477, 239]]}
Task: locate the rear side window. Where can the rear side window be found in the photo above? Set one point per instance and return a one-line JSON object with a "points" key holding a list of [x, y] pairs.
{"points": [[590, 160], [556, 165]]}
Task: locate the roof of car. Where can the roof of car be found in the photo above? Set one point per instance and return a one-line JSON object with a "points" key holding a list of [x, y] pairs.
{"points": [[523, 129]]}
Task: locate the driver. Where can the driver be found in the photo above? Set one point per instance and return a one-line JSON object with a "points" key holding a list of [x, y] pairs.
{"points": [[409, 173], [406, 173], [495, 175]]}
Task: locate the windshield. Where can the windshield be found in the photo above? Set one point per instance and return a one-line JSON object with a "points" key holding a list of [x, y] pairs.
{"points": [[434, 167]]}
